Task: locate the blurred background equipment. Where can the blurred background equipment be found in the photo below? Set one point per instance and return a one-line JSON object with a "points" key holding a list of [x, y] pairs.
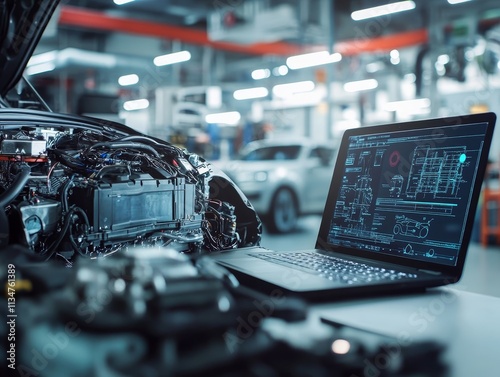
{"points": [[151, 310]]}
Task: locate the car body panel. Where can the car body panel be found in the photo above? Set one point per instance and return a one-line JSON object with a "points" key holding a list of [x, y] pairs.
{"points": [[21, 26]]}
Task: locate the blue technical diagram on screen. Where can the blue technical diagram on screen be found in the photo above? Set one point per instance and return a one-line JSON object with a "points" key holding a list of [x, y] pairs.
{"points": [[408, 193]]}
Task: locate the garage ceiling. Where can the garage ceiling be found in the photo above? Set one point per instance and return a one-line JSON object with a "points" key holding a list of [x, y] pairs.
{"points": [[161, 26]]}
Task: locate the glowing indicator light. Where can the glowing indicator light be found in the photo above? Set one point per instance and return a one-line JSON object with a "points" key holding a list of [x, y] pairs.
{"points": [[462, 158]]}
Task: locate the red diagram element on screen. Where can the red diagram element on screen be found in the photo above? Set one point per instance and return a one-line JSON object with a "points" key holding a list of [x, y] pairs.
{"points": [[394, 158]]}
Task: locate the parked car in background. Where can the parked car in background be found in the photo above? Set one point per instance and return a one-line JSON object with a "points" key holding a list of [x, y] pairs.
{"points": [[283, 179]]}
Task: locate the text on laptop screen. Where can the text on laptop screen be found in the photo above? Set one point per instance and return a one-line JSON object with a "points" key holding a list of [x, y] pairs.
{"points": [[408, 193]]}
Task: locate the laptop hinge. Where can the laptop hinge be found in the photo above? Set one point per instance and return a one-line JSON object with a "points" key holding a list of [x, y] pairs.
{"points": [[429, 271]]}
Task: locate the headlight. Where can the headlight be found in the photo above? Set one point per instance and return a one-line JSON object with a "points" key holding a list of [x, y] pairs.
{"points": [[260, 176]]}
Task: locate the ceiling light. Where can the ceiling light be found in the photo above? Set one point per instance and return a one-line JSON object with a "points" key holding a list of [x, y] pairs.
{"points": [[356, 86], [176, 57], [312, 59], [382, 10], [230, 117], [260, 74], [138, 104], [121, 2], [409, 105], [287, 90], [128, 80], [250, 93], [394, 54], [282, 70], [457, 1]]}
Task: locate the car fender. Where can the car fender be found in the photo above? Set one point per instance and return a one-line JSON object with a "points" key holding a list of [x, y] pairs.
{"points": [[249, 225]]}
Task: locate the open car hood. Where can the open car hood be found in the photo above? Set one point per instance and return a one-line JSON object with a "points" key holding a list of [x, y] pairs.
{"points": [[21, 25]]}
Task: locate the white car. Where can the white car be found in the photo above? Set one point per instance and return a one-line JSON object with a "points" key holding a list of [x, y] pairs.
{"points": [[283, 179]]}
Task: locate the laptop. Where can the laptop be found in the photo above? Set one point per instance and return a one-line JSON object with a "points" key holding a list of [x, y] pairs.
{"points": [[399, 213]]}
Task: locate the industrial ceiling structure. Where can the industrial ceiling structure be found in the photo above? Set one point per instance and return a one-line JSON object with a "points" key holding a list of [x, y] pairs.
{"points": [[94, 42]]}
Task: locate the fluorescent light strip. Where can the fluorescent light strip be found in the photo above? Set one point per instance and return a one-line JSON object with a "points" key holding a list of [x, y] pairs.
{"points": [[357, 86], [176, 57], [260, 74], [408, 105], [250, 93], [453, 2], [230, 117], [128, 80], [382, 10], [138, 104], [121, 2], [312, 59], [288, 90]]}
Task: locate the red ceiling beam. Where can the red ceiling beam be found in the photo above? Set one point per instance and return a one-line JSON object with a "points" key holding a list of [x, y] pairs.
{"points": [[90, 19]]}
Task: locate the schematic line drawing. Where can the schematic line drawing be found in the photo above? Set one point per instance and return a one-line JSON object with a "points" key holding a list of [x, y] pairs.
{"points": [[436, 171], [410, 227]]}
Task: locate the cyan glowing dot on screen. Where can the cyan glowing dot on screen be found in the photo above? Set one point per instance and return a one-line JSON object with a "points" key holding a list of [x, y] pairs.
{"points": [[462, 158]]}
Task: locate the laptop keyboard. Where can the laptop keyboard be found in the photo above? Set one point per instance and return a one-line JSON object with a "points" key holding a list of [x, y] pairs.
{"points": [[333, 268]]}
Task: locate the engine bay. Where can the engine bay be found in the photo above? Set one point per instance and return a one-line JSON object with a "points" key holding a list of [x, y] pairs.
{"points": [[91, 190]]}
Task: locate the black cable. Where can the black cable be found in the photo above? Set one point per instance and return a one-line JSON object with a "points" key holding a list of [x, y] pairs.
{"points": [[66, 227], [53, 248], [68, 160], [64, 194], [156, 143], [137, 138], [126, 144]]}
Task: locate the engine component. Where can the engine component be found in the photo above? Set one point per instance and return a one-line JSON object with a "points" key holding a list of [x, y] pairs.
{"points": [[39, 218], [74, 186], [221, 226], [121, 210], [146, 285], [23, 147]]}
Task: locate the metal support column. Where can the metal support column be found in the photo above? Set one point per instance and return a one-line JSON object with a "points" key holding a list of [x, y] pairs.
{"points": [[329, 13]]}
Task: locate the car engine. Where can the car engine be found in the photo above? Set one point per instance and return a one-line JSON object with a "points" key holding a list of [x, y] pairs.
{"points": [[75, 189]]}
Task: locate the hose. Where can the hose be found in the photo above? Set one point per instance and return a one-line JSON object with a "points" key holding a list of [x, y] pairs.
{"points": [[126, 144]]}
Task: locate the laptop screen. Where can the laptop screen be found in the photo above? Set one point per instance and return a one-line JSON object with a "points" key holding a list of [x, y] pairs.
{"points": [[407, 192]]}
